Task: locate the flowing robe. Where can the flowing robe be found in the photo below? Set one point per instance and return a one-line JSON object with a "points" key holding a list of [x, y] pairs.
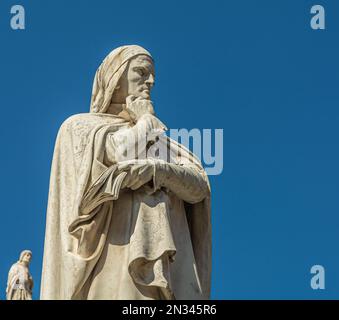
{"points": [[20, 283], [105, 243]]}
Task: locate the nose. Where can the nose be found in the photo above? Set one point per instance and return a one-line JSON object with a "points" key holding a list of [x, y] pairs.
{"points": [[150, 80]]}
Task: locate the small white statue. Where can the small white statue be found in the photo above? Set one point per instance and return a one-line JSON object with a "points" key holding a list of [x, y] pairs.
{"points": [[20, 281]]}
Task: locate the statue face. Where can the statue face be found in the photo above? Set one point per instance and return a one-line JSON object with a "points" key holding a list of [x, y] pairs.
{"points": [[140, 77], [137, 80], [27, 257]]}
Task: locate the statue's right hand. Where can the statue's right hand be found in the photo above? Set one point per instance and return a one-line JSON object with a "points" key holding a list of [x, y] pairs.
{"points": [[137, 106]]}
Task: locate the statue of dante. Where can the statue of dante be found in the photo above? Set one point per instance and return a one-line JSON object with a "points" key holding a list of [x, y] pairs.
{"points": [[123, 225], [20, 281]]}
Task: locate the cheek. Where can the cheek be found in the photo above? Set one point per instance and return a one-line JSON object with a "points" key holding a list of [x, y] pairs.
{"points": [[135, 78]]}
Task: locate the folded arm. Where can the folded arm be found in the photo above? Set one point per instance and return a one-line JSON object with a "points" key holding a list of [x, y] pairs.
{"points": [[186, 181]]}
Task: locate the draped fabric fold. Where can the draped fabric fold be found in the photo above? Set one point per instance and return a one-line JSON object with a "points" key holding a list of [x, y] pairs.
{"points": [[83, 190]]}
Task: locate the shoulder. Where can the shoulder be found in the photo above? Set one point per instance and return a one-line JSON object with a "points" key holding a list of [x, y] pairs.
{"points": [[76, 118], [14, 269], [81, 121], [88, 121]]}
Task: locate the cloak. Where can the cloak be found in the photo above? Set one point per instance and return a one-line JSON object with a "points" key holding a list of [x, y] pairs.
{"points": [[82, 219]]}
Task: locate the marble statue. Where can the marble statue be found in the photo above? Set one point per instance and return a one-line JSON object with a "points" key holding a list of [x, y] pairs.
{"points": [[20, 281], [124, 225]]}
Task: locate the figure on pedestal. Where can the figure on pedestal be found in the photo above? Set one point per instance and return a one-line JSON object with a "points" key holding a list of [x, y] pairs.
{"points": [[20, 281], [129, 209]]}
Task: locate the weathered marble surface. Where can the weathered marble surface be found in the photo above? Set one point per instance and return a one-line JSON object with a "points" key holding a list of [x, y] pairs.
{"points": [[124, 225], [20, 281]]}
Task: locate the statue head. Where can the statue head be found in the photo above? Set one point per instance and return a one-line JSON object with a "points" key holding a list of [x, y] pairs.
{"points": [[126, 71], [137, 80], [25, 256]]}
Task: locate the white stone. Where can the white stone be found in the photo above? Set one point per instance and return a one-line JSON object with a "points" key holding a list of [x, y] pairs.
{"points": [[20, 281], [123, 225]]}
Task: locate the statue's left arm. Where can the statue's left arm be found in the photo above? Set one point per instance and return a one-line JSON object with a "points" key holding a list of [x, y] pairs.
{"points": [[12, 275], [185, 179], [188, 182]]}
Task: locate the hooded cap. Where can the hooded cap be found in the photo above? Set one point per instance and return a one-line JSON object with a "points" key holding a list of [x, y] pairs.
{"points": [[109, 73]]}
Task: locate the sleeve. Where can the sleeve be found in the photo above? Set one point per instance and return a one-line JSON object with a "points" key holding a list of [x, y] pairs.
{"points": [[131, 143], [11, 275], [186, 181]]}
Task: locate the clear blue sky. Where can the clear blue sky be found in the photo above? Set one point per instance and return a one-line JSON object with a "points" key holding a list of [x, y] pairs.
{"points": [[254, 68]]}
